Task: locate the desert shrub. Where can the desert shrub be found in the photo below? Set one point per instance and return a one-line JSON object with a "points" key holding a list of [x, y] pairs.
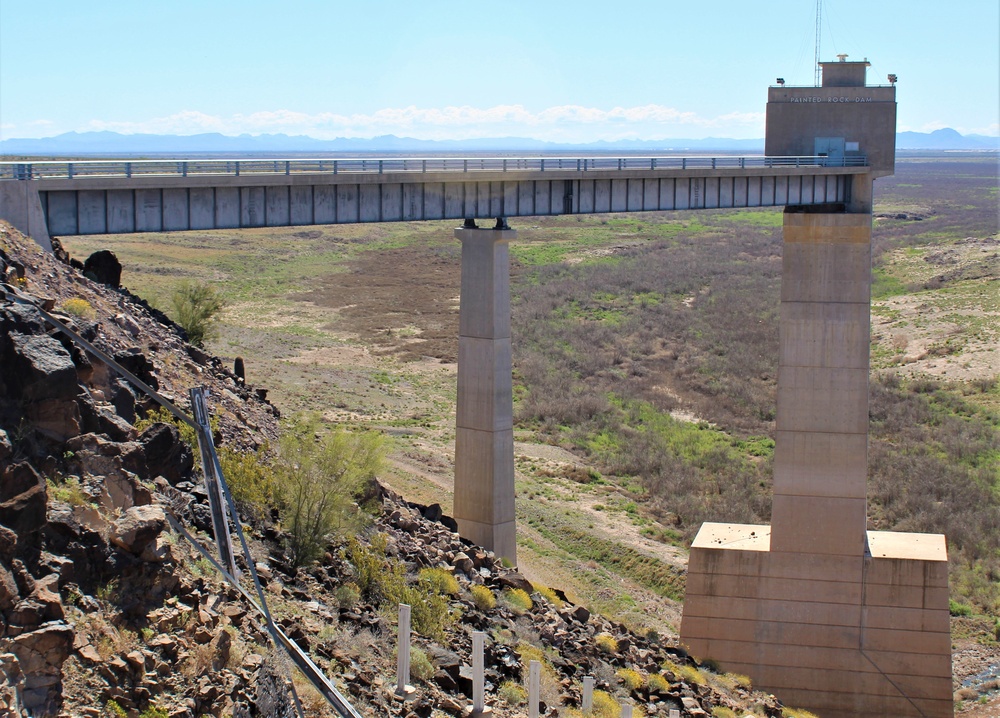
{"points": [[606, 643], [483, 598], [796, 713], [113, 710], [347, 595], [196, 308], [605, 706], [685, 672], [421, 666], [723, 712], [317, 482], [68, 490], [631, 679], [956, 608], [549, 595], [517, 600], [656, 682], [383, 582], [250, 479], [79, 308], [154, 712], [440, 581], [512, 693]]}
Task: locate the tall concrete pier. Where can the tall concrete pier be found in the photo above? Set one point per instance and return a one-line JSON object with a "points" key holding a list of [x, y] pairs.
{"points": [[845, 622], [484, 435]]}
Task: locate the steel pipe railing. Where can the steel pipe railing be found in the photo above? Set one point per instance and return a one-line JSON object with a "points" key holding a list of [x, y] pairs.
{"points": [[82, 169]]}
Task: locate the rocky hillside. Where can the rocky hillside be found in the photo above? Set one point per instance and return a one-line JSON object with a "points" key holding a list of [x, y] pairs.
{"points": [[107, 612]]}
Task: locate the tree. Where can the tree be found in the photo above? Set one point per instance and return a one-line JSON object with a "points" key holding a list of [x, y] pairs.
{"points": [[318, 480], [196, 307]]}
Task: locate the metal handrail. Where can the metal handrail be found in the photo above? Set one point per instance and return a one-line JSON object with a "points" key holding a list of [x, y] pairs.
{"points": [[82, 169]]}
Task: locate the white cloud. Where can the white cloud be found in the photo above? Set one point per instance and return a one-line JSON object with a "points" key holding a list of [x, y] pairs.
{"points": [[571, 123]]}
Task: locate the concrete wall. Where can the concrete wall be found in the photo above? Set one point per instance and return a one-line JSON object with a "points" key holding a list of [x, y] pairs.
{"points": [[84, 206], [796, 116], [20, 205]]}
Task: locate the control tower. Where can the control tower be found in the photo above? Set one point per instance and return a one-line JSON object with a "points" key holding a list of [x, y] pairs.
{"points": [[815, 608]]}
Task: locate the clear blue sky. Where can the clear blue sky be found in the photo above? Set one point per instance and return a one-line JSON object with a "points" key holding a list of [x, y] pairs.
{"points": [[572, 70]]}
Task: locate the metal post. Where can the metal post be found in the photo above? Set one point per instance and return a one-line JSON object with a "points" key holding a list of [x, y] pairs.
{"points": [[626, 710], [403, 690], [588, 694], [478, 673], [534, 679]]}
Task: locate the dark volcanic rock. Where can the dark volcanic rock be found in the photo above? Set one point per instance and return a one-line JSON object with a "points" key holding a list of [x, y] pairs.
{"points": [[104, 267], [166, 453]]}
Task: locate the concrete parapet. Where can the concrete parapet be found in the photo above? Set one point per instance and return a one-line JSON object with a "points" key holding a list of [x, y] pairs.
{"points": [[828, 616], [484, 436]]}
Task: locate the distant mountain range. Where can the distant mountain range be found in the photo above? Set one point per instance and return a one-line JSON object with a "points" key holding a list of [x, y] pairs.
{"points": [[77, 143]]}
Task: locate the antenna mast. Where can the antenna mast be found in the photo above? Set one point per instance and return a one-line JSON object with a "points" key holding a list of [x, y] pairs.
{"points": [[819, 33]]}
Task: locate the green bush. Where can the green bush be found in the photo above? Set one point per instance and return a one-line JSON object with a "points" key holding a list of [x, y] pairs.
{"points": [[606, 643], [421, 667], [513, 694], [630, 678], [383, 582], [79, 308], [483, 598], [347, 596], [250, 479], [657, 683], [517, 600], [195, 309], [317, 482], [440, 581], [959, 609]]}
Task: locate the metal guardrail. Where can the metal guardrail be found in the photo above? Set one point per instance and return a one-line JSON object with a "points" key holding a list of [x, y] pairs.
{"points": [[82, 169]]}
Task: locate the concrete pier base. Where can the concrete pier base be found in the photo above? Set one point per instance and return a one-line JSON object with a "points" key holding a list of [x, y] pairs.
{"points": [[21, 205], [826, 615], [484, 436]]}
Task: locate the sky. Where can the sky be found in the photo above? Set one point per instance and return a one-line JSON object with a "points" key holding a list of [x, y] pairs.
{"points": [[564, 71]]}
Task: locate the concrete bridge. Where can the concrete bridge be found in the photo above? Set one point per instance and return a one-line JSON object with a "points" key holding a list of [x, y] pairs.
{"points": [[831, 617], [115, 197]]}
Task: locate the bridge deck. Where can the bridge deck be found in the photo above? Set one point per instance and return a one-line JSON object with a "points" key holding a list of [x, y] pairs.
{"points": [[110, 197]]}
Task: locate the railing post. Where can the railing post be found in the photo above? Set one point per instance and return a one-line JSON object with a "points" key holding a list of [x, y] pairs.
{"points": [[288, 167], [184, 169], [335, 166], [713, 162], [465, 165], [380, 166], [743, 162], [543, 165], [237, 168], [128, 169], [69, 170], [684, 163], [423, 166]]}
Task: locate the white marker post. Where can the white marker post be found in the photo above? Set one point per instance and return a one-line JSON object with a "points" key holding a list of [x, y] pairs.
{"points": [[626, 710], [403, 689], [534, 684], [588, 694], [479, 675], [674, 713]]}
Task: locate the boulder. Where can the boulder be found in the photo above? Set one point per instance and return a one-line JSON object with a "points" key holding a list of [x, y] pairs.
{"points": [[166, 453], [25, 512], [138, 528], [37, 367], [136, 362], [41, 654], [11, 683], [104, 267]]}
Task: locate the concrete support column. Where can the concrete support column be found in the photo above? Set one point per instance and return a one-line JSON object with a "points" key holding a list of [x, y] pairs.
{"points": [[821, 443], [21, 205], [484, 435]]}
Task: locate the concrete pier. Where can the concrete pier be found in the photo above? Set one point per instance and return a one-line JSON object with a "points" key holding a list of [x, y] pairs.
{"points": [[828, 616], [484, 436]]}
